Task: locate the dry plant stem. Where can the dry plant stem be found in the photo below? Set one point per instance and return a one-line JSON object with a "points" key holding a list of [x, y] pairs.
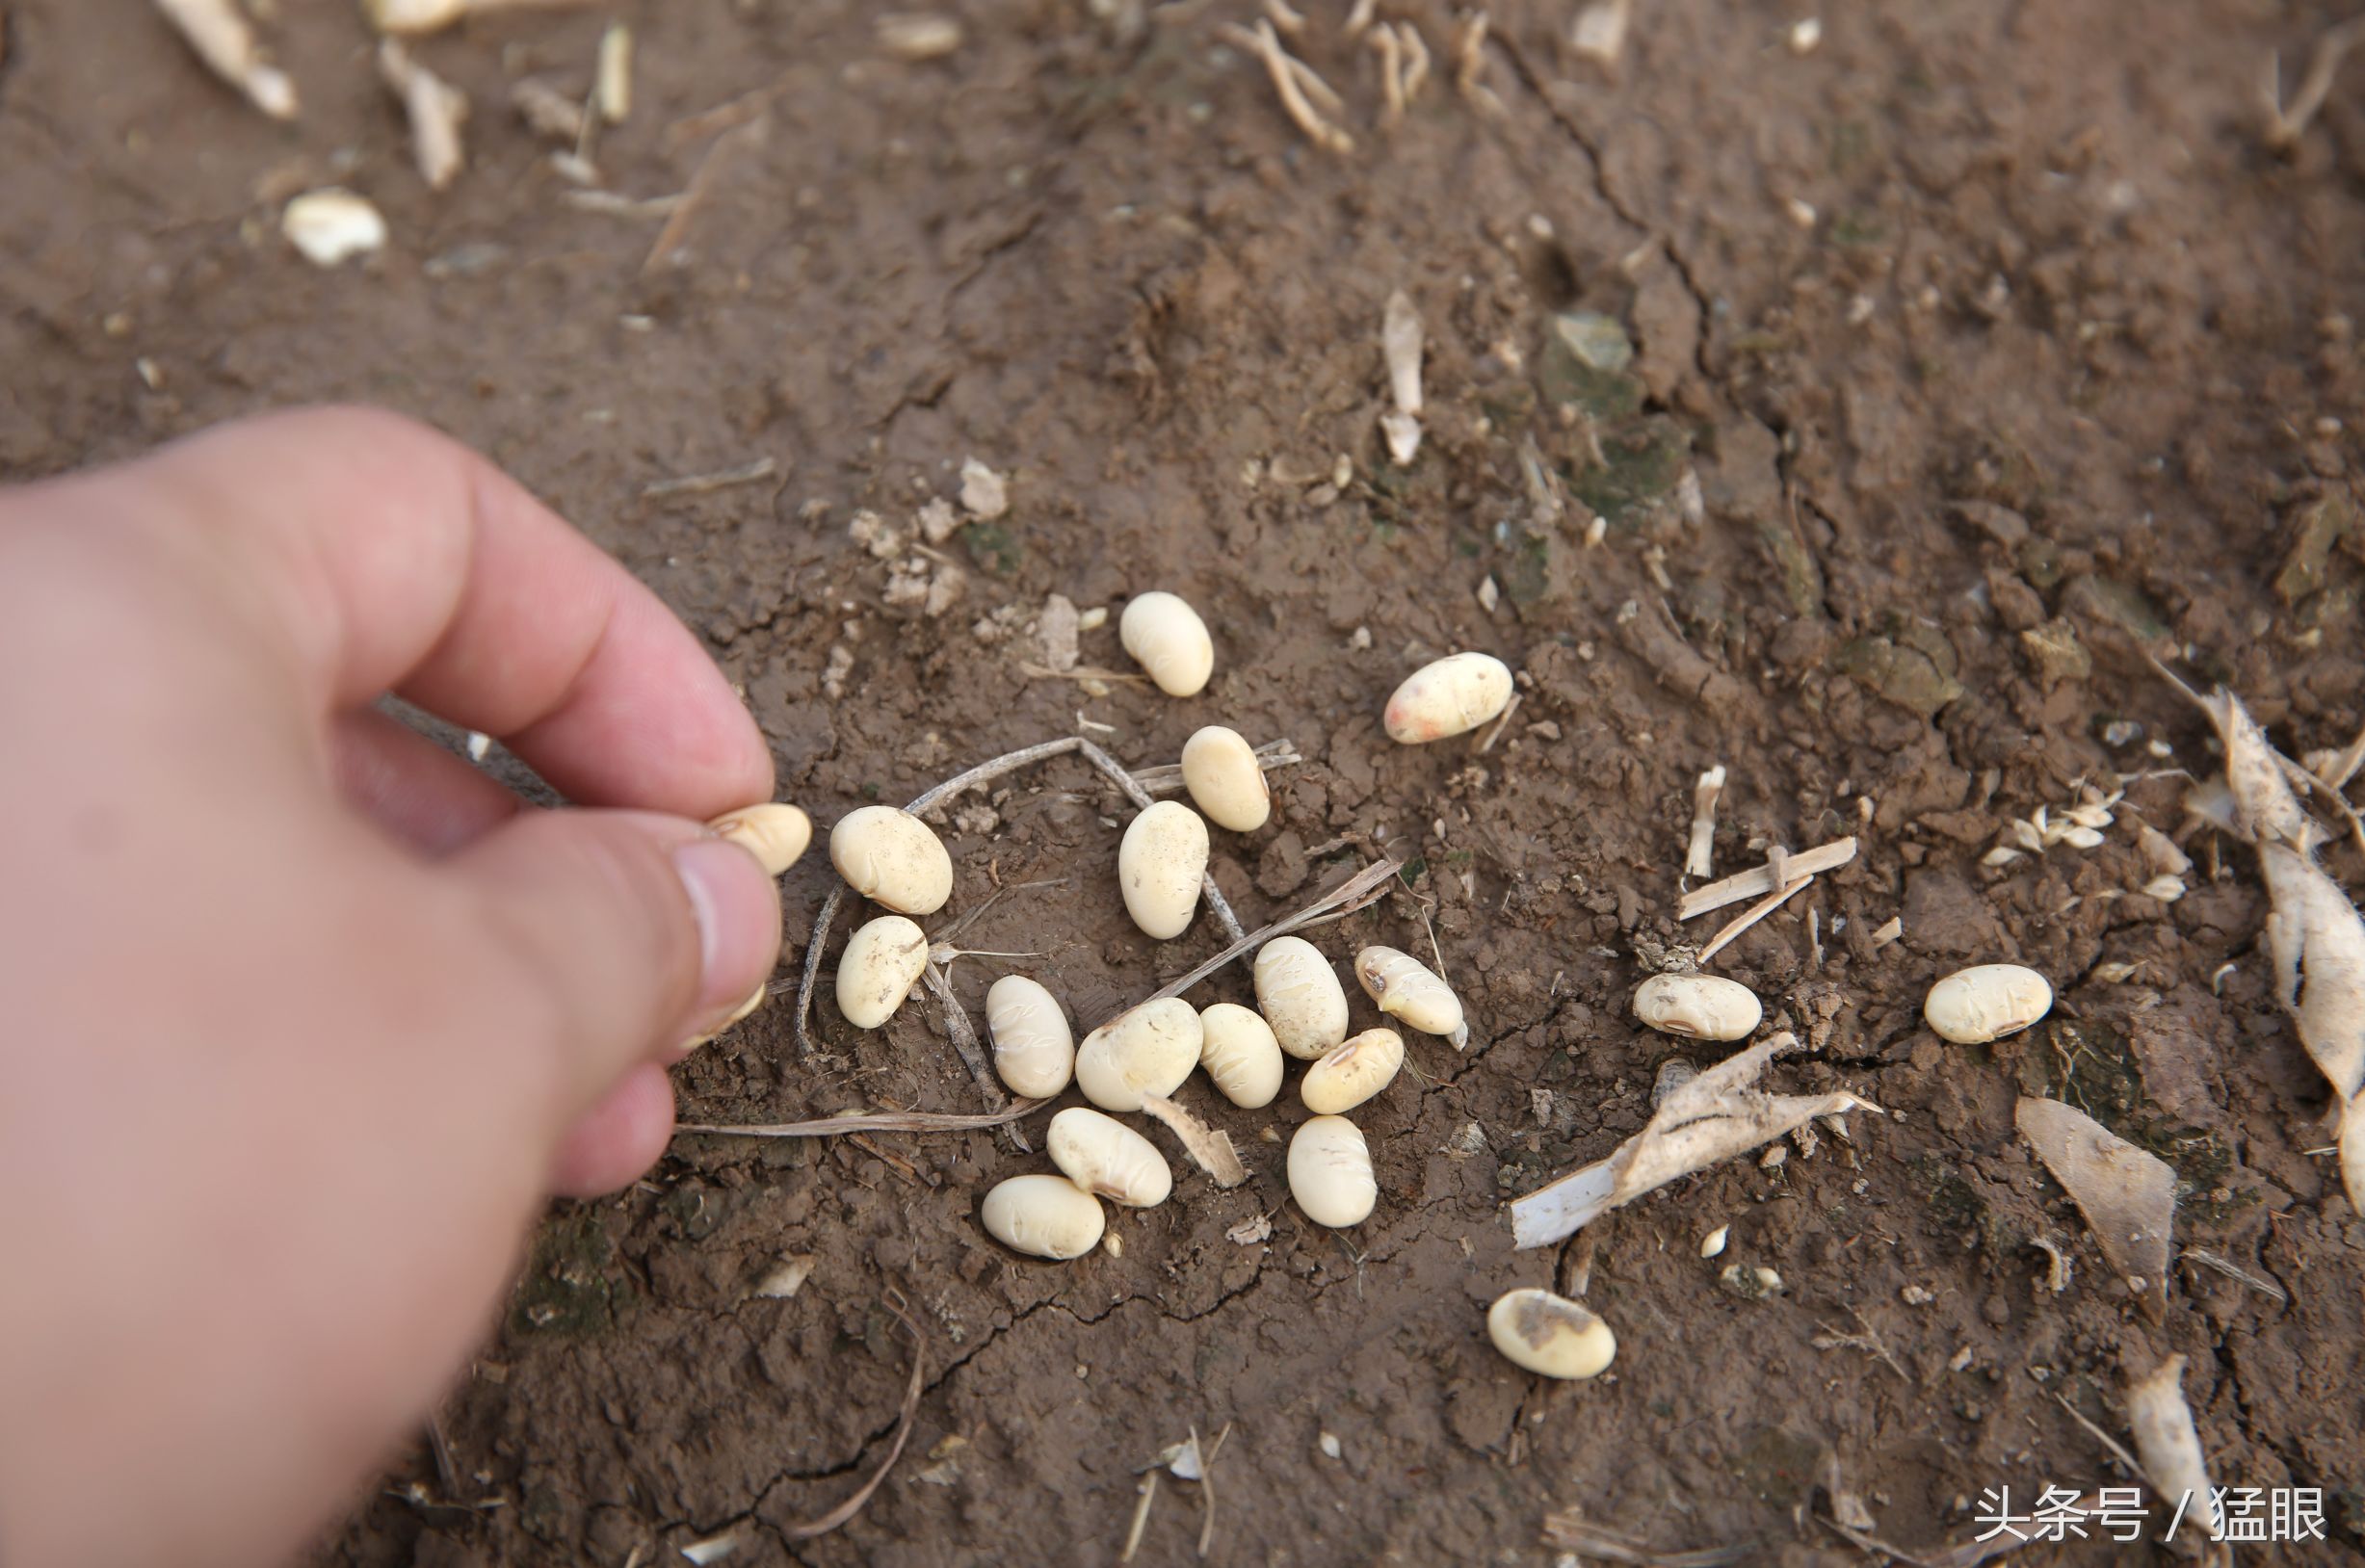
{"points": [[722, 478], [2234, 1270], [1759, 881], [1699, 854], [2351, 758], [1391, 74], [881, 1121], [1141, 1517], [224, 39], [854, 1505], [435, 109], [1293, 80], [616, 205], [965, 1045], [1751, 916], [2134, 1466], [2331, 793], [2287, 123], [1416, 60], [1167, 777], [1359, 890], [726, 148], [1571, 1532]]}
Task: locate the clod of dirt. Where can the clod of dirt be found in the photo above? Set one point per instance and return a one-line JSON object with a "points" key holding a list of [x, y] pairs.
{"points": [[1715, 1115], [2127, 1195], [2323, 525], [1912, 666]]}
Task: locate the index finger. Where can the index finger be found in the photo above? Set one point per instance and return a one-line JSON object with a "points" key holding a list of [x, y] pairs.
{"points": [[394, 557]]}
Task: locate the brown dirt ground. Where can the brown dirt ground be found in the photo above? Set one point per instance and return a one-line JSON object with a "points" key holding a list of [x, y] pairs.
{"points": [[2063, 351]]}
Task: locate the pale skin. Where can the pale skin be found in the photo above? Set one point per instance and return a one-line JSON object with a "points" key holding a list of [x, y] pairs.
{"points": [[302, 1018]]}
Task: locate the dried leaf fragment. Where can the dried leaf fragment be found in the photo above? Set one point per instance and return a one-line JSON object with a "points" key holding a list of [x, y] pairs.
{"points": [[1711, 1117], [224, 39], [2126, 1194], [1210, 1149]]}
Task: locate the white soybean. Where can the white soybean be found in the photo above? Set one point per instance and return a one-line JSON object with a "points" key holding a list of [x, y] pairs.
{"points": [[1408, 991], [1147, 1050], [1299, 995], [1047, 1216], [1704, 1007], [1034, 1052], [1159, 866], [1330, 1172], [1352, 1073], [1167, 638], [1455, 693], [892, 857], [1108, 1159], [1221, 771], [1240, 1054], [1986, 1002], [775, 834], [881, 964], [1550, 1334]]}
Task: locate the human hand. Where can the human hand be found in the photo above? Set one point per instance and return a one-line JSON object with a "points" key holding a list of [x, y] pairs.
{"points": [[301, 1016]]}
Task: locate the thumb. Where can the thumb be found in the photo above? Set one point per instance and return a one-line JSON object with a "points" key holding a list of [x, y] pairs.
{"points": [[633, 933]]}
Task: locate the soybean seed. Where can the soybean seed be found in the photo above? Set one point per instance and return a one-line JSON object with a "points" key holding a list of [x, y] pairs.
{"points": [[892, 858], [1550, 1334]]}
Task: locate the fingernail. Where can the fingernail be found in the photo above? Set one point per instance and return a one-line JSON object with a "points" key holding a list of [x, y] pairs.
{"points": [[756, 1000], [738, 911]]}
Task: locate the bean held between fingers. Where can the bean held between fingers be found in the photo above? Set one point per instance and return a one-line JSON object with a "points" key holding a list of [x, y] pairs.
{"points": [[775, 834]]}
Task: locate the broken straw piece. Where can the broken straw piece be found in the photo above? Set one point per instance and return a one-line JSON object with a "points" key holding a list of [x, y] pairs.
{"points": [[1711, 1117], [2126, 1194], [434, 107], [2169, 1447], [1699, 852], [224, 39], [428, 15], [1210, 1150]]}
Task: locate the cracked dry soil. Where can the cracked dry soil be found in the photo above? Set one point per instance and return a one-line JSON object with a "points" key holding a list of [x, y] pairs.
{"points": [[2059, 370]]}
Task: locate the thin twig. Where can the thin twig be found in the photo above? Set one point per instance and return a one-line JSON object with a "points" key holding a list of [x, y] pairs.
{"points": [[963, 1037], [722, 479], [1294, 80], [718, 157], [2340, 803], [1358, 891], [1141, 1517], [870, 1121], [853, 1505], [2234, 1270], [1751, 916], [2118, 1451]]}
